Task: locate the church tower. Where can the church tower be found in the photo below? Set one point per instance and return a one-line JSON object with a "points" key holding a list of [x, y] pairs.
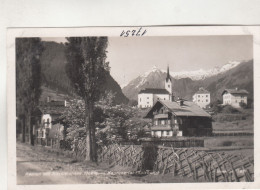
{"points": [[168, 82]]}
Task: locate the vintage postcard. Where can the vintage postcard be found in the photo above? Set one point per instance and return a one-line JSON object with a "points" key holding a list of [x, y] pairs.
{"points": [[137, 106]]}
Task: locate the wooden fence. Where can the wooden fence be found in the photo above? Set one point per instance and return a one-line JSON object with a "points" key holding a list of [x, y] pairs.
{"points": [[200, 165], [53, 143], [178, 143], [233, 133]]}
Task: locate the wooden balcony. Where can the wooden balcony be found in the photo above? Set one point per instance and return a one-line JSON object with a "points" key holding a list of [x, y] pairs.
{"points": [[161, 116], [165, 127]]}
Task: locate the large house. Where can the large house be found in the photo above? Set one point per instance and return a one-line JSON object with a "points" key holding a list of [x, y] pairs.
{"points": [[179, 118], [147, 97], [202, 98], [235, 97]]}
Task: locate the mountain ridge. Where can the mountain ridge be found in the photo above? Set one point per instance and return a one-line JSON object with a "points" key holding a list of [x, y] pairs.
{"points": [[186, 87]]}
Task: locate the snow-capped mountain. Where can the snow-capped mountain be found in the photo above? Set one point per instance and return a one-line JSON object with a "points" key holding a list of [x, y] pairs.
{"points": [[202, 74], [185, 84]]}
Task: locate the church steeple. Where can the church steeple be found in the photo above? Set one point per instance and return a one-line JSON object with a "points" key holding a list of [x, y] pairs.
{"points": [[168, 82], [168, 74]]}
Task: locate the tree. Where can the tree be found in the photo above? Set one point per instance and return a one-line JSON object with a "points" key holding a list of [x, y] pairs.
{"points": [[87, 69], [28, 81]]}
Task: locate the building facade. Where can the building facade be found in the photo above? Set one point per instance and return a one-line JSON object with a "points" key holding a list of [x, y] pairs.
{"points": [[147, 97], [179, 118], [202, 98], [235, 97]]}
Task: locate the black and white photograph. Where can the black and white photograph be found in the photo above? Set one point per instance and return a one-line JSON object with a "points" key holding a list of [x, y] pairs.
{"points": [[134, 108]]}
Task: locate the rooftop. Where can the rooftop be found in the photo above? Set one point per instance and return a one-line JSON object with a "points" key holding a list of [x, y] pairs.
{"points": [[235, 91], [154, 91], [187, 109], [202, 91]]}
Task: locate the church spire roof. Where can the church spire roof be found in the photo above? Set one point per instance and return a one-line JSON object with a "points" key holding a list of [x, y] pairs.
{"points": [[168, 74]]}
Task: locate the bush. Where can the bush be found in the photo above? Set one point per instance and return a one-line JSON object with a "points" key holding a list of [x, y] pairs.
{"points": [[242, 105], [229, 109], [216, 106]]}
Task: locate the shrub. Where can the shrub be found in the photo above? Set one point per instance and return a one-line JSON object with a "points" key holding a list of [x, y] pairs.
{"points": [[229, 109], [242, 105]]}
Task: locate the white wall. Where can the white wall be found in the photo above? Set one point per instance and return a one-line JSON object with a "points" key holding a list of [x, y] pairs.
{"points": [[145, 100], [45, 118], [168, 86], [202, 100], [161, 97]]}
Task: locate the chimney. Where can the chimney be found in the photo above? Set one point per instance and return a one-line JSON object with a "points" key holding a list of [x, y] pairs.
{"points": [[48, 99]]}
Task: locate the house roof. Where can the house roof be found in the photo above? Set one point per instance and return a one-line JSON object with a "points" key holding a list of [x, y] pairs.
{"points": [[187, 109], [235, 91], [154, 91], [202, 91], [52, 110]]}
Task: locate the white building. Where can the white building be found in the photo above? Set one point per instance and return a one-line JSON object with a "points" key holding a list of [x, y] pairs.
{"points": [[147, 97], [234, 97], [202, 98]]}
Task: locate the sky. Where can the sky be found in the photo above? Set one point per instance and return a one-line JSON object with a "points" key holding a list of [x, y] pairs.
{"points": [[133, 56]]}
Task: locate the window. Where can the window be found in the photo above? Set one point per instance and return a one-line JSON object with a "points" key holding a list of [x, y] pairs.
{"points": [[164, 98], [198, 95], [147, 102], [157, 98], [168, 86], [198, 100], [156, 122], [163, 122], [147, 97], [206, 100], [167, 132], [206, 96]]}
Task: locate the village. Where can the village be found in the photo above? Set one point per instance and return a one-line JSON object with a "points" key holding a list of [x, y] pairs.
{"points": [[179, 139]]}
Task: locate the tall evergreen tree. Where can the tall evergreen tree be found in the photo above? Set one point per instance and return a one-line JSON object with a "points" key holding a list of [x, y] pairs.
{"points": [[28, 81], [87, 69]]}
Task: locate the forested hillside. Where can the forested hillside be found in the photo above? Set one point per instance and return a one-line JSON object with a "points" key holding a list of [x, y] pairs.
{"points": [[53, 62]]}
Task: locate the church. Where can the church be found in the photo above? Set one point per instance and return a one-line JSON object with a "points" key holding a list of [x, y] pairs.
{"points": [[148, 96]]}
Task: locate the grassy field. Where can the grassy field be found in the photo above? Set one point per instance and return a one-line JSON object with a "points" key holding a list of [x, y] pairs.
{"points": [[242, 121], [227, 141]]}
